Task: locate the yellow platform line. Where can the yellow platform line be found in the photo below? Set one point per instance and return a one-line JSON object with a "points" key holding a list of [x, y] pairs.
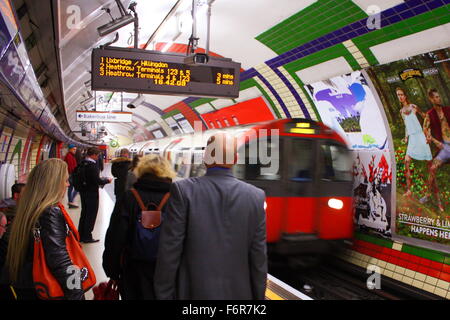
{"points": [[270, 295]]}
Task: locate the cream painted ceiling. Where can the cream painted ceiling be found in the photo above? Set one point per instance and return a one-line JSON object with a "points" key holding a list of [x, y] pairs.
{"points": [[234, 26]]}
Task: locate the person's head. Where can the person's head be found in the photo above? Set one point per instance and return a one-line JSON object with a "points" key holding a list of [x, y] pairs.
{"points": [[93, 153], [220, 151], [16, 189], [135, 161], [154, 165], [125, 153], [434, 97], [402, 96], [72, 148], [46, 186]]}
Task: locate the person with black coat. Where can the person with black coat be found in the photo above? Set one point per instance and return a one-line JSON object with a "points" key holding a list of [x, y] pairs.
{"points": [[119, 170], [38, 210], [129, 264], [89, 195]]}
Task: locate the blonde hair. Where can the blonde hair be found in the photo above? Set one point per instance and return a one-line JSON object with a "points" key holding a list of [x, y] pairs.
{"points": [[155, 165], [45, 187]]}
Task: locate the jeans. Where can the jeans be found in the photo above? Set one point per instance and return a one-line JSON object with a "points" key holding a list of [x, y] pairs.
{"points": [[71, 192]]}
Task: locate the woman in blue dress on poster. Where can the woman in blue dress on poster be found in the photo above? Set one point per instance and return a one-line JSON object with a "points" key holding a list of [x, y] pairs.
{"points": [[418, 148]]}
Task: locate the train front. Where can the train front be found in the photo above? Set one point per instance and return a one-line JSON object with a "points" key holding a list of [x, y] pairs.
{"points": [[305, 169]]}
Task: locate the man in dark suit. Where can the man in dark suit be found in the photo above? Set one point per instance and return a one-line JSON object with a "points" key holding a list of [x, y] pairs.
{"points": [[213, 237], [89, 195]]}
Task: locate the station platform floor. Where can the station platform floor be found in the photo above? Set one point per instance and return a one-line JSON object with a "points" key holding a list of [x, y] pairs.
{"points": [[276, 289]]}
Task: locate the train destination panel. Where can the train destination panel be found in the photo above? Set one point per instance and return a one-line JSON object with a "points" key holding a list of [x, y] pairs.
{"points": [[141, 71]]}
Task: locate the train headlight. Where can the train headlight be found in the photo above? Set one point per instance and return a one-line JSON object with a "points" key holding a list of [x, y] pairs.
{"points": [[335, 204], [265, 205]]}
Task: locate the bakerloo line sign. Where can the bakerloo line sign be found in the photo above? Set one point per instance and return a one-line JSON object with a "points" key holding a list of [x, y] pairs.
{"points": [[98, 116], [153, 72]]}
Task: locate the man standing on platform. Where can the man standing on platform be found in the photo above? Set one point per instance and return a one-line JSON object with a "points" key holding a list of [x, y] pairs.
{"points": [[89, 195], [71, 165], [213, 236]]}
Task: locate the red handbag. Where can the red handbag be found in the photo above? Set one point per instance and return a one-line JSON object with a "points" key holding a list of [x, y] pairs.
{"points": [[106, 291], [46, 285]]}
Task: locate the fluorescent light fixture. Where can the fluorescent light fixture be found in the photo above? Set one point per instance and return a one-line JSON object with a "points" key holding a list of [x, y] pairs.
{"points": [[335, 204]]}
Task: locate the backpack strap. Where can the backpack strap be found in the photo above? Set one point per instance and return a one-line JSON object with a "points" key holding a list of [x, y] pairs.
{"points": [[138, 199], [163, 201]]}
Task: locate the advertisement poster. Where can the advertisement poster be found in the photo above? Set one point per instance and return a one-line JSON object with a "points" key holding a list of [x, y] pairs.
{"points": [[416, 98], [347, 104], [372, 176]]}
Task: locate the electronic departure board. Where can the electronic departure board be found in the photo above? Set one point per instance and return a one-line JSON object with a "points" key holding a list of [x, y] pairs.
{"points": [[153, 72]]}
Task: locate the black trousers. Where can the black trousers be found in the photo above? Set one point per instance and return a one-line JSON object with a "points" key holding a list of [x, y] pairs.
{"points": [[89, 208]]}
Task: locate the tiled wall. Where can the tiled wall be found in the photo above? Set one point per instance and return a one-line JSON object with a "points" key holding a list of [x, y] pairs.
{"points": [[421, 268], [19, 145]]}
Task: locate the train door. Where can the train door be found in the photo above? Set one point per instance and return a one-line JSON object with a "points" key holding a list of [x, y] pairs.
{"points": [[266, 175], [335, 182], [299, 177]]}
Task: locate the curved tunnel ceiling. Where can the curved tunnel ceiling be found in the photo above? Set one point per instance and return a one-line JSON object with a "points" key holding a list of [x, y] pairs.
{"points": [[233, 32], [281, 46]]}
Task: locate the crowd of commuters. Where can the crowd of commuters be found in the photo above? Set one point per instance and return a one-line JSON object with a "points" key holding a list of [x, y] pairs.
{"points": [[196, 238]]}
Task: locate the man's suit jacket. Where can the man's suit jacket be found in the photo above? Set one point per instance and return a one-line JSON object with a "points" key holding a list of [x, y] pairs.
{"points": [[213, 240]]}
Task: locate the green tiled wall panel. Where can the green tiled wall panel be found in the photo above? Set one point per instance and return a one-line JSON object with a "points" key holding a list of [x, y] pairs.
{"points": [[371, 59], [416, 251], [318, 19], [150, 123], [419, 23], [375, 240], [247, 84], [426, 253], [170, 114], [333, 52], [199, 102], [322, 56]]}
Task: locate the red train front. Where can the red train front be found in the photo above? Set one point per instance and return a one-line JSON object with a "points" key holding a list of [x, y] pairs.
{"points": [[308, 183]]}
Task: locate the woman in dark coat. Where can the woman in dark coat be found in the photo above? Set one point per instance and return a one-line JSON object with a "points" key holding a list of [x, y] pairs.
{"points": [[38, 208], [134, 258]]}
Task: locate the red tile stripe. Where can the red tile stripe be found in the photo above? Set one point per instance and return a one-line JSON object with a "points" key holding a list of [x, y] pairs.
{"points": [[403, 259]]}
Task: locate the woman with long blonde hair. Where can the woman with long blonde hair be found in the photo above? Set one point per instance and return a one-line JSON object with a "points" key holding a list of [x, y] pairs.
{"points": [[135, 266], [38, 209]]}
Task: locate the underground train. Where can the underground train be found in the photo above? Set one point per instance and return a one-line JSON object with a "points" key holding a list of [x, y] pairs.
{"points": [[306, 175]]}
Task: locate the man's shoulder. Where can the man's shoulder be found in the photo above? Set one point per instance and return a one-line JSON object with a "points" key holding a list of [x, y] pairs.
{"points": [[245, 187], [187, 182], [250, 188]]}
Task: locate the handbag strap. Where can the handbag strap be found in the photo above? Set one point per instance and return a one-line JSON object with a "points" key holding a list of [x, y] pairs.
{"points": [[163, 201], [141, 203], [138, 199]]}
